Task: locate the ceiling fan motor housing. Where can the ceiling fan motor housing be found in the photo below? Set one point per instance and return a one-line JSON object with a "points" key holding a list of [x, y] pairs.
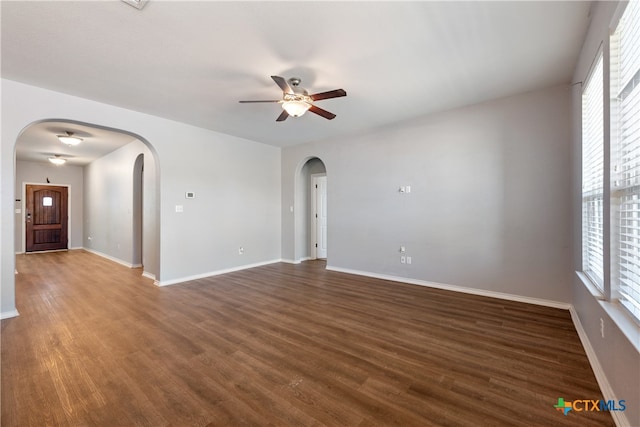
{"points": [[294, 84]]}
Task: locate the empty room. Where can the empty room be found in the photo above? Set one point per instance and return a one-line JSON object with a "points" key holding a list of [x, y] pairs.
{"points": [[318, 213]]}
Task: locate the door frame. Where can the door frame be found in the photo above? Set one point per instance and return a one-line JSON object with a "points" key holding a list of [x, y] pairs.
{"points": [[24, 210], [137, 210], [314, 221]]}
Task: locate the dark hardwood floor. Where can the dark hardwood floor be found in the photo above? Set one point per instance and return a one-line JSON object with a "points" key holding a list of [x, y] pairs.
{"points": [[282, 345]]}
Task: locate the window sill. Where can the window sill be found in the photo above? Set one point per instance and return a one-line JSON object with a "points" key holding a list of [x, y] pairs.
{"points": [[618, 314], [588, 283]]}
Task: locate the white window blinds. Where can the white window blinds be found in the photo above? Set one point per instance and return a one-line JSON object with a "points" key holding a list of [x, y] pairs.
{"points": [[625, 114], [592, 176]]}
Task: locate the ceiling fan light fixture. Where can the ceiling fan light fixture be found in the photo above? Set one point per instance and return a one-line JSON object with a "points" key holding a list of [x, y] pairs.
{"points": [[69, 139], [57, 160], [296, 108]]}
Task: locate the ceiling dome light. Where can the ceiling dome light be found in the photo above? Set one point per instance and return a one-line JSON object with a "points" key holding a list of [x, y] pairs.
{"points": [[69, 139], [296, 108], [57, 160]]}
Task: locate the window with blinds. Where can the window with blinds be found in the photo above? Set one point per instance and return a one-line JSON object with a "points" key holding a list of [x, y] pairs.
{"points": [[625, 120], [593, 176]]}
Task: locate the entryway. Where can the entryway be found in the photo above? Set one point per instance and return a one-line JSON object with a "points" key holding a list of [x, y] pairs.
{"points": [[103, 197]]}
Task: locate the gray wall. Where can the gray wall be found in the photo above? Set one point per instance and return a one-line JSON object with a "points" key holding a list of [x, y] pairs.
{"points": [[488, 204], [617, 355], [109, 206], [37, 173]]}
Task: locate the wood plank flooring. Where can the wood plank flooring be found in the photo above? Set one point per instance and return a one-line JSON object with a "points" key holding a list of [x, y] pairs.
{"points": [[282, 345]]}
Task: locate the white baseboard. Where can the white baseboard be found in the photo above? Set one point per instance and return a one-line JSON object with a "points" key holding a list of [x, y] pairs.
{"points": [[607, 392], [9, 314], [121, 262], [295, 261], [473, 291], [149, 275], [214, 273], [109, 257]]}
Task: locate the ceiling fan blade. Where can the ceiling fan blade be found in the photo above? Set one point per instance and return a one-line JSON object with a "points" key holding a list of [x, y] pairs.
{"points": [[247, 102], [324, 113], [280, 81], [330, 94], [283, 116]]}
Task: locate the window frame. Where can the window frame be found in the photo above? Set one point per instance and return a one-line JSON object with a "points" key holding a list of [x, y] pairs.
{"points": [[599, 284], [621, 190]]}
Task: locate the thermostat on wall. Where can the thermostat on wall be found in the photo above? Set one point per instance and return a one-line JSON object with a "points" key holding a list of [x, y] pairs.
{"points": [[189, 195]]}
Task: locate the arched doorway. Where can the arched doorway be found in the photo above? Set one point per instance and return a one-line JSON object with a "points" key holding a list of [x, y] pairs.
{"points": [[114, 204], [138, 212], [311, 219]]}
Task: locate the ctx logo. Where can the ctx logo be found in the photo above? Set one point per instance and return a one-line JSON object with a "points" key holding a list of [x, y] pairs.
{"points": [[589, 405]]}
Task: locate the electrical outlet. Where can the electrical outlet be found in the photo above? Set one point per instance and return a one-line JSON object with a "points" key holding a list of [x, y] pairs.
{"points": [[403, 259], [602, 327], [240, 250], [408, 260]]}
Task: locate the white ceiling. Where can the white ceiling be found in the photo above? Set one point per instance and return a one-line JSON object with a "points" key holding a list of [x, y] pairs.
{"points": [[39, 142], [193, 61]]}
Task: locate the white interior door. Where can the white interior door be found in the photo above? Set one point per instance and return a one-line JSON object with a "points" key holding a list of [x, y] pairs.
{"points": [[320, 215]]}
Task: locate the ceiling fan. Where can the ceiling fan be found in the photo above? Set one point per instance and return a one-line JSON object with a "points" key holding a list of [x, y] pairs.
{"points": [[296, 100]]}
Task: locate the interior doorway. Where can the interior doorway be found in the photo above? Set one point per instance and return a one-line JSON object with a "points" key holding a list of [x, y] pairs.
{"points": [[138, 212], [319, 216], [46, 217], [113, 186], [312, 215]]}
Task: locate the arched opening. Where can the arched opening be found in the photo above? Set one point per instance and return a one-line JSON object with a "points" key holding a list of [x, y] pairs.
{"points": [[311, 212], [114, 190], [138, 210]]}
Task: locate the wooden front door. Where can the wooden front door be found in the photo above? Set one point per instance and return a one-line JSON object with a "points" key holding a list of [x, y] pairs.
{"points": [[46, 218]]}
